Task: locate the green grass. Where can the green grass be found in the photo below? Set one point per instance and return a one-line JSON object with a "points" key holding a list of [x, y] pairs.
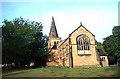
{"points": [[111, 71]]}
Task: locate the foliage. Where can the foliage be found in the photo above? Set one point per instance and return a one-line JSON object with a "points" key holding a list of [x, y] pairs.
{"points": [[100, 46], [23, 42], [112, 46]]}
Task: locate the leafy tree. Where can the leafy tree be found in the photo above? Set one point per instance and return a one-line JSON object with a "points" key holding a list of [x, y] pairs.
{"points": [[100, 46], [23, 41], [112, 46]]}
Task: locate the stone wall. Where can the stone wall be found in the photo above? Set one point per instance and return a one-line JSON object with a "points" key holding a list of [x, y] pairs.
{"points": [[104, 61], [88, 59], [61, 56]]}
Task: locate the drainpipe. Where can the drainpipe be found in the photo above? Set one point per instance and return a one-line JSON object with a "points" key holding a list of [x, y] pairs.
{"points": [[70, 54]]}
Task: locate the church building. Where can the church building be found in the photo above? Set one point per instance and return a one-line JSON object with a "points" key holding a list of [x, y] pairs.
{"points": [[78, 49]]}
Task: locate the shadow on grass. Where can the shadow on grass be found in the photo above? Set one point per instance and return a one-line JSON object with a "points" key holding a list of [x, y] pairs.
{"points": [[13, 71], [113, 70]]}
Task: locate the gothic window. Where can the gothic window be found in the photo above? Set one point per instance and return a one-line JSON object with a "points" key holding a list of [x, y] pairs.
{"points": [[83, 44]]}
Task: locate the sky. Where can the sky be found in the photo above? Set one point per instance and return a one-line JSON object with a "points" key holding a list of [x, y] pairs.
{"points": [[98, 17]]}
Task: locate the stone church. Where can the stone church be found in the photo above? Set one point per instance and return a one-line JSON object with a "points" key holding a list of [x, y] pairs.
{"points": [[78, 49]]}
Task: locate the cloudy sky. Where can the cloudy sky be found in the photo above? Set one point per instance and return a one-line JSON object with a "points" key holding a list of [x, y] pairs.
{"points": [[97, 16]]}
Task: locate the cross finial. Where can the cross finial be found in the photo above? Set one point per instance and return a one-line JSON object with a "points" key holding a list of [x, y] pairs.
{"points": [[80, 23]]}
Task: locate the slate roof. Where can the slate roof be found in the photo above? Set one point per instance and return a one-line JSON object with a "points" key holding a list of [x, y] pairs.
{"points": [[101, 52], [53, 30]]}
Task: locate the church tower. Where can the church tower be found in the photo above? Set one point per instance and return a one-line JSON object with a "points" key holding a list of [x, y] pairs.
{"points": [[54, 40]]}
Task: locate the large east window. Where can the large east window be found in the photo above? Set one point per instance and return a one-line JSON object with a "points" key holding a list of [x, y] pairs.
{"points": [[83, 44]]}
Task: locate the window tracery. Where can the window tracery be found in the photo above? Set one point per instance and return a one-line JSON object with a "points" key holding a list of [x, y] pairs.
{"points": [[83, 44]]}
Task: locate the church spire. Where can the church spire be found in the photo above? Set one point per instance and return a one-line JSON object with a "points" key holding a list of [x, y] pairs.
{"points": [[53, 31]]}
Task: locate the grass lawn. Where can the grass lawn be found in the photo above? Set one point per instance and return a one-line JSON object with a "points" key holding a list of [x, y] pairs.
{"points": [[111, 71]]}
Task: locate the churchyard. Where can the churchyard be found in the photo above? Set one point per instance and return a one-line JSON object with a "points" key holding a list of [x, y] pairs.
{"points": [[58, 71]]}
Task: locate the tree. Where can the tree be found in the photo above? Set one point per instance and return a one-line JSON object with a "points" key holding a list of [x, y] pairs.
{"points": [[112, 46], [23, 41], [100, 46]]}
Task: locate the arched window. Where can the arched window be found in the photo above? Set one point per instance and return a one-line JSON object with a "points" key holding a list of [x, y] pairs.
{"points": [[55, 45], [83, 44]]}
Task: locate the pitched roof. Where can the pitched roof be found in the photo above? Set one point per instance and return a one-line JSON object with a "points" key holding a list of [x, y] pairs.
{"points": [[101, 52], [53, 30], [63, 42], [74, 31], [79, 27]]}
